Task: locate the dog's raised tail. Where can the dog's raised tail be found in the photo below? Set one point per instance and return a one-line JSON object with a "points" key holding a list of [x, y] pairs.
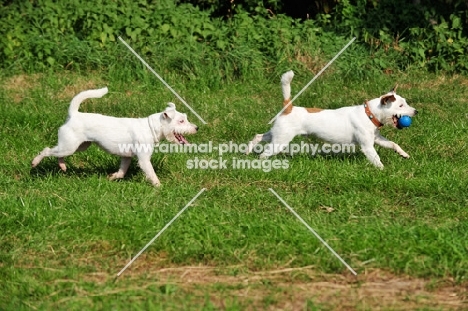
{"points": [[78, 99], [286, 79]]}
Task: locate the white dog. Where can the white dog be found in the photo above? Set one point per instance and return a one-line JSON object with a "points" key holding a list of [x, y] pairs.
{"points": [[348, 125], [125, 137]]}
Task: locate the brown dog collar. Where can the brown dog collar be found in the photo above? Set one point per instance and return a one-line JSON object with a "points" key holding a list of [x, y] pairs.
{"points": [[372, 116]]}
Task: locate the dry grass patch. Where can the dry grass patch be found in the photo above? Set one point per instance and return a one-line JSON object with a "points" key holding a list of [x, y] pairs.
{"points": [[437, 82], [18, 86], [284, 288], [291, 288]]}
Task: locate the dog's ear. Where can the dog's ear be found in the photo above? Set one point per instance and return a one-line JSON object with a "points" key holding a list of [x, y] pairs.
{"points": [[169, 114], [393, 90], [170, 111], [387, 98]]}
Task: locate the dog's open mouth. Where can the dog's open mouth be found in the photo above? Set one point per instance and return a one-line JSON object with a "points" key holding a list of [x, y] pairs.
{"points": [[395, 119], [181, 139]]}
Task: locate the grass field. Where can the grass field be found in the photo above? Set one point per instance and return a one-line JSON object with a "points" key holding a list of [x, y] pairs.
{"points": [[65, 236]]}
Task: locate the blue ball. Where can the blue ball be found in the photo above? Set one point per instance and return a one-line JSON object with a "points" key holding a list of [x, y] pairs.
{"points": [[404, 121]]}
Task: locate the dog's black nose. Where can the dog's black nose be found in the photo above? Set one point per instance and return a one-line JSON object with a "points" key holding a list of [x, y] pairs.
{"points": [[415, 112], [196, 128]]}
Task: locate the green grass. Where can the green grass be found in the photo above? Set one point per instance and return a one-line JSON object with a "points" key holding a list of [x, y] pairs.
{"points": [[65, 236]]}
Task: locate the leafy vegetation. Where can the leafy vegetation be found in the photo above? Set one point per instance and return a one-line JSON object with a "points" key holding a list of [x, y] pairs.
{"points": [[35, 35]]}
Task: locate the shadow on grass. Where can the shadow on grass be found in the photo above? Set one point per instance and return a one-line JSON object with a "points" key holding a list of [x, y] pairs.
{"points": [[49, 167], [339, 157]]}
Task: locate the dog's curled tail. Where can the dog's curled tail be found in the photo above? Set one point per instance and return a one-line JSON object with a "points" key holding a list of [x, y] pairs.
{"points": [[286, 79], [78, 99]]}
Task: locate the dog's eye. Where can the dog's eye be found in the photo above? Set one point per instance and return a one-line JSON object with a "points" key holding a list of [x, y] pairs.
{"points": [[181, 121], [401, 106]]}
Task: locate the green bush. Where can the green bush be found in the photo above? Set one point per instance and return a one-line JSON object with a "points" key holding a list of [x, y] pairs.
{"points": [[408, 30], [45, 33], [441, 46], [190, 42], [181, 37]]}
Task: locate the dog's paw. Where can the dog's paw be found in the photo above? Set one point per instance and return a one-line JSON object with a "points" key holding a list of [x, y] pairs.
{"points": [[112, 176], [62, 165], [155, 182], [115, 176], [36, 161], [379, 165], [405, 155]]}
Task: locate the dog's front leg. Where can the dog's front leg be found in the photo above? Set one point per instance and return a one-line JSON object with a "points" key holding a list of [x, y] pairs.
{"points": [[124, 164], [383, 142], [372, 155], [144, 161]]}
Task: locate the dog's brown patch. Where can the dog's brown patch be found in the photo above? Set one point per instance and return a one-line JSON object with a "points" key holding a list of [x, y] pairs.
{"points": [[288, 106], [313, 110], [384, 99]]}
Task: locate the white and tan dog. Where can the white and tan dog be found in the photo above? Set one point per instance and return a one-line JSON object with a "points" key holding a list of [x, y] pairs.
{"points": [[125, 137], [348, 125]]}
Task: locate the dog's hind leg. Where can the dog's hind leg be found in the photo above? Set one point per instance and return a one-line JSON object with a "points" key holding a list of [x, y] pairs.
{"points": [[278, 144], [65, 147], [58, 151], [82, 147], [54, 152], [384, 142], [40, 156], [257, 139], [124, 164]]}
